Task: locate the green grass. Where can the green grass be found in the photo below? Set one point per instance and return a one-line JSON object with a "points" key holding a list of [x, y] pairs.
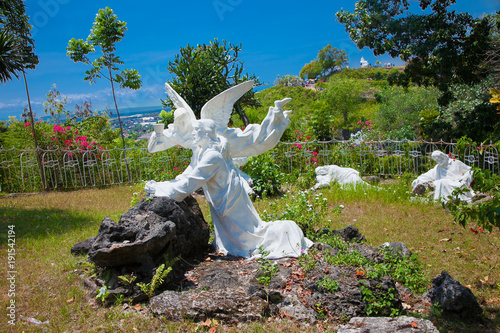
{"points": [[49, 279]]}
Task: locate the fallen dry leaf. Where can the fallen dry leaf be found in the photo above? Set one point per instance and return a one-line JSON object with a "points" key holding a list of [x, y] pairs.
{"points": [[360, 273], [138, 307], [414, 324], [70, 300], [206, 323], [406, 306]]}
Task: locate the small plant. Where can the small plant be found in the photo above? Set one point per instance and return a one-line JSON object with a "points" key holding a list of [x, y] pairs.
{"points": [[486, 214], [333, 240], [346, 258], [135, 199], [306, 208], [377, 271], [128, 280], [119, 299], [321, 311], [436, 310], [266, 174], [267, 270], [329, 284], [408, 271], [307, 261], [380, 303], [158, 278], [90, 266], [102, 294]]}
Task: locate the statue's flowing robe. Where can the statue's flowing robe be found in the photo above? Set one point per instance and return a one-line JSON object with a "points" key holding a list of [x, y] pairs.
{"points": [[455, 174], [239, 231]]}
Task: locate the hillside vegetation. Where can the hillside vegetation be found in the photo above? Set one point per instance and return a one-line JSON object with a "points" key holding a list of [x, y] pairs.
{"points": [[354, 99]]}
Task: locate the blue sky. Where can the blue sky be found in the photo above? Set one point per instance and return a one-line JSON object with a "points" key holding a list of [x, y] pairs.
{"points": [[277, 37]]}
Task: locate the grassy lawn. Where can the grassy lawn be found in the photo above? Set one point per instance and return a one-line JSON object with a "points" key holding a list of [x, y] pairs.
{"points": [[48, 282]]}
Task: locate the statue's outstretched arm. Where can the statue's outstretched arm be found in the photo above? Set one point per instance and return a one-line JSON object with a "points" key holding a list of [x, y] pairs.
{"points": [[257, 139], [167, 140]]}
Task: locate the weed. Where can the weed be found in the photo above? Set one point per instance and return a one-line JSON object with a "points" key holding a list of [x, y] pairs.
{"points": [[158, 278], [120, 299], [321, 311], [406, 270], [102, 294], [127, 280], [346, 258], [380, 303], [267, 270], [333, 240], [329, 284], [307, 261]]}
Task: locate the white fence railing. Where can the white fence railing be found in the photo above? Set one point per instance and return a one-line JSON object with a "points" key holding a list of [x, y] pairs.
{"points": [[21, 172]]}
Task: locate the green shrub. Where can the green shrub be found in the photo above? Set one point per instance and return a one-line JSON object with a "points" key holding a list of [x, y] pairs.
{"points": [[265, 173]]}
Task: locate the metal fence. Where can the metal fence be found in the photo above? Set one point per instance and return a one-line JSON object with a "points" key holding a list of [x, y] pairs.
{"points": [[63, 169]]}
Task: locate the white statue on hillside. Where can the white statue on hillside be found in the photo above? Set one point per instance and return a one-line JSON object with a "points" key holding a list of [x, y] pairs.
{"points": [[327, 174], [239, 231], [446, 176]]}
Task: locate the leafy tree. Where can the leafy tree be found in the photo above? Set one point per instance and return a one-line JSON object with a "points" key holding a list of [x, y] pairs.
{"points": [[344, 96], [322, 122], [106, 31], [290, 79], [470, 113], [329, 60], [440, 47], [204, 71], [402, 106], [332, 59], [311, 70]]}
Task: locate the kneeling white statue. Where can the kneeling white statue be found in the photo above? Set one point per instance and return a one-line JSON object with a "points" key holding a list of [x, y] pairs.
{"points": [[239, 231], [446, 176], [330, 173]]}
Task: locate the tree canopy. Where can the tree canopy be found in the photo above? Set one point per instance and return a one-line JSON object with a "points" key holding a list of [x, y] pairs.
{"points": [[311, 70], [441, 47], [332, 59], [204, 71], [16, 45], [328, 60]]}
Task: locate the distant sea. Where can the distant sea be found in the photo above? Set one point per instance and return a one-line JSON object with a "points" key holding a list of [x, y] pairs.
{"points": [[136, 112]]}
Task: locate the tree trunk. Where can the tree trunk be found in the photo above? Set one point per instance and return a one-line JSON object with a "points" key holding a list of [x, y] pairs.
{"points": [[121, 127], [38, 157], [242, 114]]}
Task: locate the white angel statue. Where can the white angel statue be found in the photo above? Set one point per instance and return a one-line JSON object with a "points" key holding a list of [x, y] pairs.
{"points": [[239, 231]]}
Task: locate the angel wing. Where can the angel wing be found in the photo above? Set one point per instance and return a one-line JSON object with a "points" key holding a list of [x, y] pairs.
{"points": [[178, 101], [220, 107]]}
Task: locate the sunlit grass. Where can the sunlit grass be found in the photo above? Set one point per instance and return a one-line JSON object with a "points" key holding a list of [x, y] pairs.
{"points": [[49, 280]]}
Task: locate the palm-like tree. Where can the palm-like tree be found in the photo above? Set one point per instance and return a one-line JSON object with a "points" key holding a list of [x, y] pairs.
{"points": [[17, 52], [11, 58]]}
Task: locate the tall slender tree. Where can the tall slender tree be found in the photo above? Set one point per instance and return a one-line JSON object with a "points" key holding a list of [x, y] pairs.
{"points": [[106, 31], [17, 53]]}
